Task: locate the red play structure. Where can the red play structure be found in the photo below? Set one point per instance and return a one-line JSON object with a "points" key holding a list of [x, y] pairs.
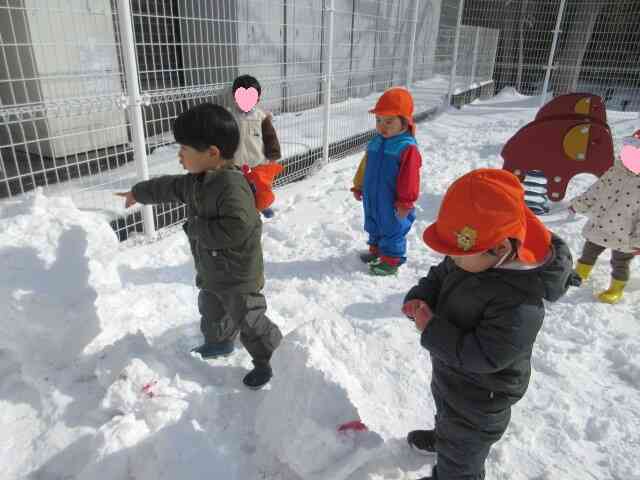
{"points": [[582, 104], [569, 136]]}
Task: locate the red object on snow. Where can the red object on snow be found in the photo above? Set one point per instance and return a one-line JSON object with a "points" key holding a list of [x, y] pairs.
{"points": [[146, 389], [356, 425]]}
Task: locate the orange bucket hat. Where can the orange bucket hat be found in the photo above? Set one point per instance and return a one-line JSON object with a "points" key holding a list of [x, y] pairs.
{"points": [[396, 101], [480, 210]]}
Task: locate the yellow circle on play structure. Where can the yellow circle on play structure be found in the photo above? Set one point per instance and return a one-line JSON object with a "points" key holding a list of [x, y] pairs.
{"points": [[576, 141], [583, 106]]}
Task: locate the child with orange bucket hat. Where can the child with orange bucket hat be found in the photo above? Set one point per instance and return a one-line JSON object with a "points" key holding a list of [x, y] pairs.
{"points": [[479, 312], [388, 182]]}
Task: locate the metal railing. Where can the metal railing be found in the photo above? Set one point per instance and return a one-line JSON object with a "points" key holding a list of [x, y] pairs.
{"points": [[89, 90]]}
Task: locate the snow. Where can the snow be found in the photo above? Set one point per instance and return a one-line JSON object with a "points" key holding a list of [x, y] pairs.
{"points": [[96, 381]]}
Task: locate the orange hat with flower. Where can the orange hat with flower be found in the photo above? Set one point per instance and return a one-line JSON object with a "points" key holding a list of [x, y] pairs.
{"points": [[480, 210], [396, 101]]}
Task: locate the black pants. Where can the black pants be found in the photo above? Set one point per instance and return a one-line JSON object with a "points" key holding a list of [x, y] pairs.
{"points": [[463, 441], [223, 316]]}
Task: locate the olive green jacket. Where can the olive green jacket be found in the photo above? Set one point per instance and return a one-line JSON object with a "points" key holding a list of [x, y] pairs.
{"points": [[223, 226]]}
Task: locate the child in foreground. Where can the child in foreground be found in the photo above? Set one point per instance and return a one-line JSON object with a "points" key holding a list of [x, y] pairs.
{"points": [[479, 312], [224, 231]]}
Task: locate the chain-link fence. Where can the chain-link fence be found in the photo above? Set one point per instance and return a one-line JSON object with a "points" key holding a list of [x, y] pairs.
{"points": [[562, 46], [62, 88], [90, 90]]}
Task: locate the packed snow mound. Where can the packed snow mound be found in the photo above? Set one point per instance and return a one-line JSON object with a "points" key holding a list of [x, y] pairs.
{"points": [[144, 404], [311, 395], [53, 257], [105, 411], [138, 385], [330, 374]]}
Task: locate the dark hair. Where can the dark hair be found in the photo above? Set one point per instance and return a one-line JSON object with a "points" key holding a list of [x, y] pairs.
{"points": [[515, 244], [207, 125], [405, 124], [246, 81]]}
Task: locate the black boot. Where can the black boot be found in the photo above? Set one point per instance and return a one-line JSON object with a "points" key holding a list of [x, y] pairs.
{"points": [[258, 377], [422, 441]]}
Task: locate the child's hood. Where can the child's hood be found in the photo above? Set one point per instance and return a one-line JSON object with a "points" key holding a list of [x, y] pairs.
{"points": [[552, 278]]}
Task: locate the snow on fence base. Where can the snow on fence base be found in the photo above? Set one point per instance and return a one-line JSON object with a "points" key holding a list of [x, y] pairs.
{"points": [[481, 92]]}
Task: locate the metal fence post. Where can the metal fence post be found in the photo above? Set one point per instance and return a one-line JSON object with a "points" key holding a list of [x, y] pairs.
{"points": [[456, 44], [328, 85], [134, 105], [412, 45], [547, 75], [474, 64], [494, 49]]}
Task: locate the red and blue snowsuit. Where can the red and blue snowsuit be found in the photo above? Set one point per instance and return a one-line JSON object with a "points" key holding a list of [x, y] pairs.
{"points": [[389, 177]]}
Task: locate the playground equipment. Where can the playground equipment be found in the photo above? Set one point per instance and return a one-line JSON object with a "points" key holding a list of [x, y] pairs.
{"points": [[582, 104], [569, 136]]}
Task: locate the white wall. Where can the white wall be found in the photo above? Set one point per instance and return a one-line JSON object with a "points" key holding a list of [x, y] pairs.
{"points": [[72, 54]]}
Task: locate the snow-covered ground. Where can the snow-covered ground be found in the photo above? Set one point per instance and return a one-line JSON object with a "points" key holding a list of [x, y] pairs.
{"points": [[96, 381]]}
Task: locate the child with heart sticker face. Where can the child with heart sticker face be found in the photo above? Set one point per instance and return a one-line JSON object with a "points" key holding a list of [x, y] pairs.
{"points": [[259, 148], [613, 207], [630, 154], [258, 139], [246, 98]]}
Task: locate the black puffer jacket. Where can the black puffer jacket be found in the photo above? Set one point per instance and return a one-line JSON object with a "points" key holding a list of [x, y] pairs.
{"points": [[484, 325]]}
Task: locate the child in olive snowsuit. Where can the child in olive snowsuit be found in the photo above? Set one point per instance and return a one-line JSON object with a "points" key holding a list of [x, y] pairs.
{"points": [[479, 312], [224, 231]]}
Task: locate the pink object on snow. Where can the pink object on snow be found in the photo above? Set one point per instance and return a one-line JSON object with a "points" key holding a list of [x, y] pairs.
{"points": [[356, 425], [146, 389]]}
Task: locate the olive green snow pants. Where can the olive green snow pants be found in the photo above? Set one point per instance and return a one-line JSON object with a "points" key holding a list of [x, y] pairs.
{"points": [[223, 316]]}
